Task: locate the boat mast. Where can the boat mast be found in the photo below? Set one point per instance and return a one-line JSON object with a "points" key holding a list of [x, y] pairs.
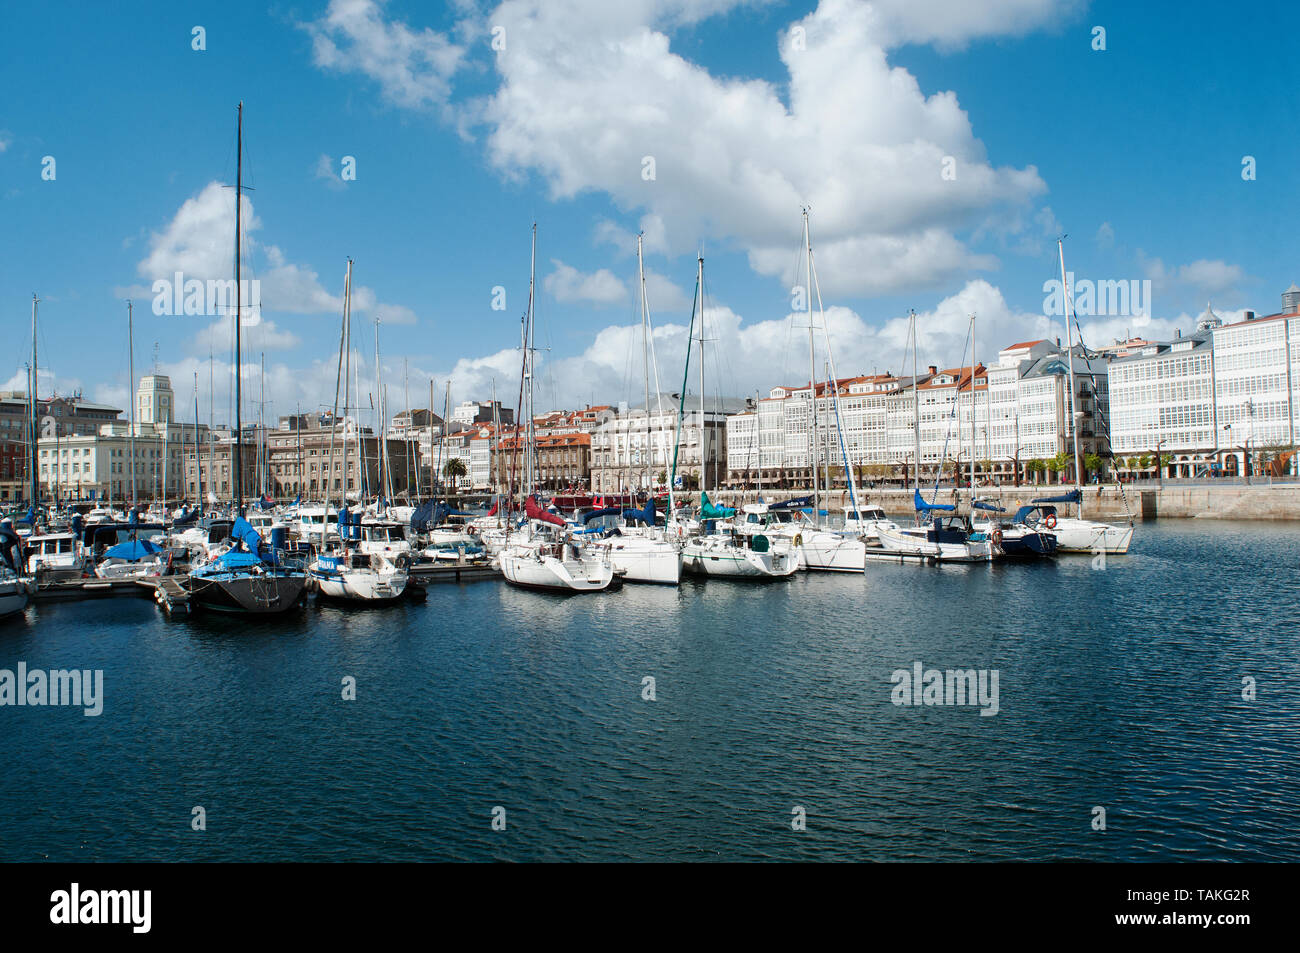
{"points": [[1075, 413], [704, 433], [916, 413], [972, 413], [530, 459], [406, 444], [341, 382], [32, 381], [239, 300], [198, 463], [645, 359], [812, 377], [130, 390]]}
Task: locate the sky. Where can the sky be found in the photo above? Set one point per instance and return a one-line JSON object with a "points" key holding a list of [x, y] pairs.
{"points": [[941, 147]]}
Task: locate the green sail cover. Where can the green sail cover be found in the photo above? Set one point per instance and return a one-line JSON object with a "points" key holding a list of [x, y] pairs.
{"points": [[710, 512]]}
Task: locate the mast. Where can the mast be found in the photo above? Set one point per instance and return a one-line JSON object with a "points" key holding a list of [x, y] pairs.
{"points": [[812, 377], [340, 383], [704, 433], [972, 413], [645, 358], [433, 477], [130, 390], [1075, 413], [916, 412], [32, 380], [238, 456], [406, 444], [530, 452], [198, 463]]}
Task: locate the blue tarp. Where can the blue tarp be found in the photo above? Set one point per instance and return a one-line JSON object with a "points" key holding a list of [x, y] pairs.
{"points": [[134, 550], [922, 505], [1074, 496], [799, 503], [645, 515], [991, 507], [597, 514]]}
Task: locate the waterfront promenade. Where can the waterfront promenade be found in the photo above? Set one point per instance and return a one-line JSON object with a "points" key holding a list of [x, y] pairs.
{"points": [[1146, 500]]}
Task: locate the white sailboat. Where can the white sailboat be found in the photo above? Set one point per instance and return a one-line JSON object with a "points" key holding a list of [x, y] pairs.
{"points": [[547, 557], [1074, 534]]}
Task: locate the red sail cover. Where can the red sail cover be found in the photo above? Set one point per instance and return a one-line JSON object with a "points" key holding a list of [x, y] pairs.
{"points": [[535, 512], [493, 511]]}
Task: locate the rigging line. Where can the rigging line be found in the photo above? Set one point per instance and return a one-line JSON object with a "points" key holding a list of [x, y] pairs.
{"points": [[951, 416]]}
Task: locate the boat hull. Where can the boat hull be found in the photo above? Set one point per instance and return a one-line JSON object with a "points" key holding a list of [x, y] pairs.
{"points": [[534, 570], [1085, 536], [249, 594]]}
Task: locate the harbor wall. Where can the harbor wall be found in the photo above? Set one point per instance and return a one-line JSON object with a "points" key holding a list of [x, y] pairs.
{"points": [[1234, 502]]}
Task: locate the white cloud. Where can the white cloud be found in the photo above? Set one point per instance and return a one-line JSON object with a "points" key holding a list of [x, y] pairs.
{"points": [[1198, 279], [860, 143], [1105, 235], [567, 284], [199, 243], [6, 139], [324, 169], [412, 67]]}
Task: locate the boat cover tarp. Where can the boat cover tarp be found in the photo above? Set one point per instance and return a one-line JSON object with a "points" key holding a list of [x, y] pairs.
{"points": [[186, 518], [644, 515], [795, 504], [604, 511], [535, 512], [985, 505], [922, 505], [134, 550], [710, 512], [1023, 513], [1074, 496]]}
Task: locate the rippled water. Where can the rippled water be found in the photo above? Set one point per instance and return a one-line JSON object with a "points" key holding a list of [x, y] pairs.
{"points": [[1119, 688]]}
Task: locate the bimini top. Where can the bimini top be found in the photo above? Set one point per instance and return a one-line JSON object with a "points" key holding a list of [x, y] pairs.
{"points": [[924, 506], [795, 504], [1074, 496]]}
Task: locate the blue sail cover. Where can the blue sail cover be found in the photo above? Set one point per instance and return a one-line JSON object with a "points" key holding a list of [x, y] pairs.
{"points": [[244, 532], [133, 551], [796, 504], [645, 515], [1074, 496], [598, 514], [924, 506], [30, 518], [710, 512], [185, 518], [991, 507]]}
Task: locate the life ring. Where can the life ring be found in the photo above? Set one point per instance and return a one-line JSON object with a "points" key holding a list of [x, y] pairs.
{"points": [[471, 530], [1050, 522], [997, 537], [798, 540]]}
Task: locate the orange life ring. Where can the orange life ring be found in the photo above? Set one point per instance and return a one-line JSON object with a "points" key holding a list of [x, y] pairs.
{"points": [[1050, 522], [997, 537]]}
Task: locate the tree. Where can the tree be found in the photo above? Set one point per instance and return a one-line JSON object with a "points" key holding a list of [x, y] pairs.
{"points": [[1034, 468], [453, 469], [1094, 463], [1060, 463]]}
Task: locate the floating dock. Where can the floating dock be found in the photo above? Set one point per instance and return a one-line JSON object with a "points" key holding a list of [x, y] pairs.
{"points": [[90, 587]]}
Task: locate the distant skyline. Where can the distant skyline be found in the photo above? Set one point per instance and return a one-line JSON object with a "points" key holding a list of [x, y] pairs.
{"points": [[941, 146]]}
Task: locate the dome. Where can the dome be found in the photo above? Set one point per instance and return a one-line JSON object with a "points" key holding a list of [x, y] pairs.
{"points": [[1209, 320]]}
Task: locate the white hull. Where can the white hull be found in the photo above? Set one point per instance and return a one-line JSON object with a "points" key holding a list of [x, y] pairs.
{"points": [[531, 568], [898, 544], [831, 552], [129, 569], [361, 585], [13, 597], [736, 562], [1084, 536], [644, 560]]}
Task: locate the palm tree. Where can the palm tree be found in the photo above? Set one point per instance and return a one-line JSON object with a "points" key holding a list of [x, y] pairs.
{"points": [[453, 469]]}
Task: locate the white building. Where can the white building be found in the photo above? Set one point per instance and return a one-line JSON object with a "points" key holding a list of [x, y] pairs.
{"points": [[633, 449]]}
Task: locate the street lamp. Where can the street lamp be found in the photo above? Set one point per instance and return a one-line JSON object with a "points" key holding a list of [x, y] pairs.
{"points": [[1160, 471]]}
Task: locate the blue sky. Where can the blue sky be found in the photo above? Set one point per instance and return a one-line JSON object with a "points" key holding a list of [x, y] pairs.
{"points": [[1135, 151]]}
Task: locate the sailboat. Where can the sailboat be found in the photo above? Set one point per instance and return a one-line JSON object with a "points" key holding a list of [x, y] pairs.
{"points": [[639, 548], [15, 590], [547, 556], [1074, 534], [248, 577], [343, 571]]}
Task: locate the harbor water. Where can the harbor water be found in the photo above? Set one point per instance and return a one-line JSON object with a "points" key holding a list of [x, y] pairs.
{"points": [[1161, 688]]}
